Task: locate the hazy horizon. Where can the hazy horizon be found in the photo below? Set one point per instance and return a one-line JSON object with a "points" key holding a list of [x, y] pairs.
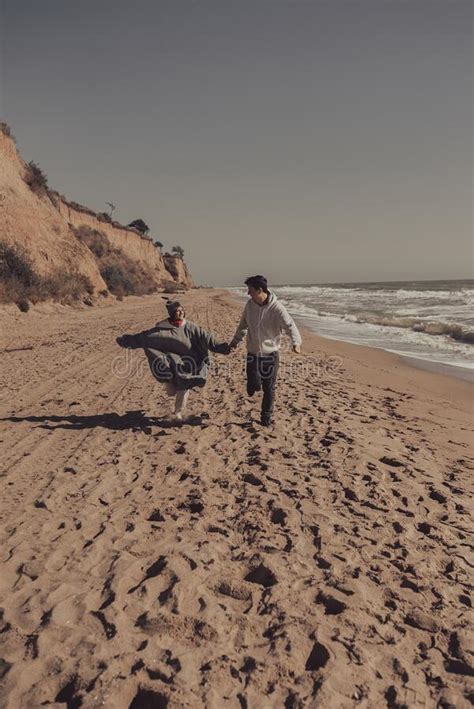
{"points": [[368, 283], [313, 142]]}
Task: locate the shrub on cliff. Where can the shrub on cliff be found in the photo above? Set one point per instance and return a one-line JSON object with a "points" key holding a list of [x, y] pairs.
{"points": [[104, 217], [118, 280], [95, 240], [122, 275], [35, 178], [15, 265], [64, 286], [126, 277], [76, 206], [177, 251], [19, 283], [6, 130], [140, 226]]}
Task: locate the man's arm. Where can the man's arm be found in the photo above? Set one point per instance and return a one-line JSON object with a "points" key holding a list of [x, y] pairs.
{"points": [[241, 330], [289, 326]]}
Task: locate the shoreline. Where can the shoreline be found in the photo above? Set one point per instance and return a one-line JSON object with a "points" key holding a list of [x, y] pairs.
{"points": [[442, 368], [444, 371], [448, 370], [372, 361]]}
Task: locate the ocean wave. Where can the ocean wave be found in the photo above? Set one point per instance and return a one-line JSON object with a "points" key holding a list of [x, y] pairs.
{"points": [[436, 322], [452, 330], [428, 327], [390, 297], [461, 295], [442, 333], [405, 294]]}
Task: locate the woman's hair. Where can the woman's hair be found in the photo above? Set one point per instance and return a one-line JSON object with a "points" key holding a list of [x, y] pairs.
{"points": [[257, 282]]}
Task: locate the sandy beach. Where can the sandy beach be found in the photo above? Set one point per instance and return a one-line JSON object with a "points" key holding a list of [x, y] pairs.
{"points": [[323, 562]]}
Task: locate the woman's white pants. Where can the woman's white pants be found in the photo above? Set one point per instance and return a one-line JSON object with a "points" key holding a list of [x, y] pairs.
{"points": [[181, 397]]}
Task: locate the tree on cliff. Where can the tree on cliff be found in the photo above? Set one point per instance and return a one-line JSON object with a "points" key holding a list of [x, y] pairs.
{"points": [[140, 226], [178, 251]]}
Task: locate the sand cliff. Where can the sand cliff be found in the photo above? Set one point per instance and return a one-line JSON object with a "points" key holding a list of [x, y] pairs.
{"points": [[178, 269], [40, 223]]}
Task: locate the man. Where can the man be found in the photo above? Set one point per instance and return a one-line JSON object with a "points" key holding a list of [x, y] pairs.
{"points": [[177, 352], [263, 320]]}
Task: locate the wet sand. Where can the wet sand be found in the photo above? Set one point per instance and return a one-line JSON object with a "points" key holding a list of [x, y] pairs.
{"points": [[324, 562]]}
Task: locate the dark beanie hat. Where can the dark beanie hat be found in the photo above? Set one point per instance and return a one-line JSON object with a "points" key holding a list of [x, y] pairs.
{"points": [[172, 306]]}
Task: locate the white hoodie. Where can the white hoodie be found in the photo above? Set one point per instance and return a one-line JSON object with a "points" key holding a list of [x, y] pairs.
{"points": [[264, 324]]}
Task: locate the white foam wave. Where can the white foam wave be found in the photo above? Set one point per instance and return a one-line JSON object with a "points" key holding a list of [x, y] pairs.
{"points": [[432, 324]]}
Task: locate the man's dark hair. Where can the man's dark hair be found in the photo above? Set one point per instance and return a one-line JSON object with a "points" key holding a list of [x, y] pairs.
{"points": [[257, 282]]}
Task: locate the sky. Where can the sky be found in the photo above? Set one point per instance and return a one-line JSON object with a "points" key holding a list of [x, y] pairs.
{"points": [[313, 141]]}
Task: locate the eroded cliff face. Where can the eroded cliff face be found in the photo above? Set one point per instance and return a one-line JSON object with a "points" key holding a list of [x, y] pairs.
{"points": [[31, 221], [41, 223], [133, 244], [178, 269]]}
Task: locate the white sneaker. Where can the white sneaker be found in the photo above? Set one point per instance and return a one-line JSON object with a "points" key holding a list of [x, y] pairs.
{"points": [[179, 416]]}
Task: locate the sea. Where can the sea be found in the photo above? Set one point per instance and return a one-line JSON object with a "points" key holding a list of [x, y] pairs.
{"points": [[430, 321]]}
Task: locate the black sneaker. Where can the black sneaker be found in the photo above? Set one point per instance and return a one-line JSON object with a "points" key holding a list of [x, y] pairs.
{"points": [[266, 420]]}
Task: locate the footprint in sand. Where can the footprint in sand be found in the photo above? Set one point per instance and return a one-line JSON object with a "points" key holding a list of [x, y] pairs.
{"points": [[70, 694], [318, 658], [5, 667], [187, 628], [234, 590], [262, 575], [109, 628], [70, 611], [156, 516], [278, 516], [154, 570], [146, 698], [438, 496], [165, 595], [393, 462], [252, 480], [331, 605], [194, 505]]}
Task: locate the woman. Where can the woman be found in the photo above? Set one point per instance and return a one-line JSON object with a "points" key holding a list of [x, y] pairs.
{"points": [[177, 352]]}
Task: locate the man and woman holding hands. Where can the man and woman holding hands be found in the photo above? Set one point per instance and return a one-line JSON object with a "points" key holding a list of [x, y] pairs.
{"points": [[178, 350]]}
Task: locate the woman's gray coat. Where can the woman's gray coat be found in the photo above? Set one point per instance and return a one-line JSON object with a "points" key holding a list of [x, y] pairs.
{"points": [[177, 354]]}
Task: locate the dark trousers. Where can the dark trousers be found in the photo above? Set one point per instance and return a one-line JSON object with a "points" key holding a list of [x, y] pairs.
{"points": [[262, 372]]}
